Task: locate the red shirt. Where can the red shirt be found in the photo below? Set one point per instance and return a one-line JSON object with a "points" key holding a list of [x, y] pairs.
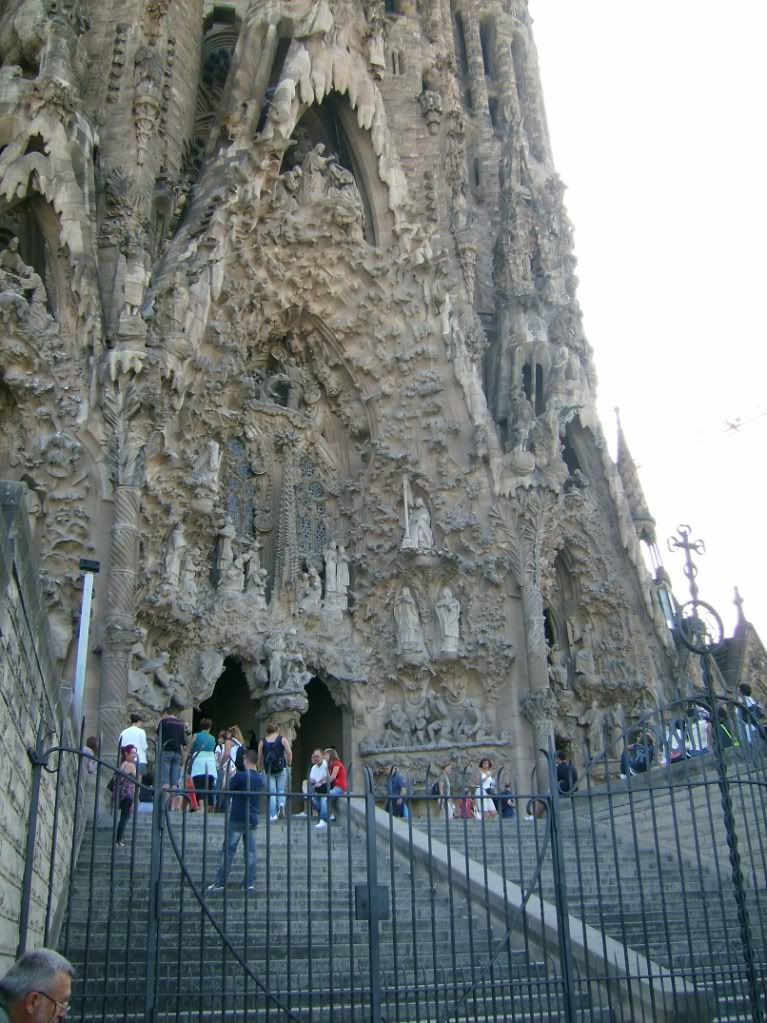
{"points": [[340, 779]]}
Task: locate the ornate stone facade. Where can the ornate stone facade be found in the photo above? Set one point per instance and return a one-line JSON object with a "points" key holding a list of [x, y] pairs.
{"points": [[290, 343]]}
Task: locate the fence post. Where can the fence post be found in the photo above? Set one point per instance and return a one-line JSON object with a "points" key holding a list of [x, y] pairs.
{"points": [[560, 889], [374, 927], [38, 759], [155, 877]]}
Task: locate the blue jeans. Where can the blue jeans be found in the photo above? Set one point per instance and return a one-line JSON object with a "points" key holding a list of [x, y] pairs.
{"points": [[278, 784], [229, 848], [334, 792]]}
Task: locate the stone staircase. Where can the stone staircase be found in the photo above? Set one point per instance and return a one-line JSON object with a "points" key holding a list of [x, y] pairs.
{"points": [[298, 934], [674, 910]]}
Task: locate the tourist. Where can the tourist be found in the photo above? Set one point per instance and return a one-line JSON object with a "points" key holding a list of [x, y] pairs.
{"points": [[750, 716], [318, 780], [234, 748], [275, 757], [446, 804], [203, 764], [698, 740], [243, 790], [125, 789], [484, 806], [91, 751], [395, 791], [675, 741], [222, 759], [727, 736], [171, 740], [567, 776], [37, 988], [134, 735], [637, 756], [336, 786]]}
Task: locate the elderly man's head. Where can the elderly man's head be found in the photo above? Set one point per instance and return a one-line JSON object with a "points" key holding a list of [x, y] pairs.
{"points": [[37, 988]]}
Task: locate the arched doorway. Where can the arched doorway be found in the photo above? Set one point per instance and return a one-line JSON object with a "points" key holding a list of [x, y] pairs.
{"points": [[230, 703], [321, 726]]}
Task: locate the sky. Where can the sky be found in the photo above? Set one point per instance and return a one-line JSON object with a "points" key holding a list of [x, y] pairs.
{"points": [[656, 117]]}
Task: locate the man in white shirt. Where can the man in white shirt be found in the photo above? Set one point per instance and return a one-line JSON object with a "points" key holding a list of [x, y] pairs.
{"points": [[318, 778], [134, 735]]}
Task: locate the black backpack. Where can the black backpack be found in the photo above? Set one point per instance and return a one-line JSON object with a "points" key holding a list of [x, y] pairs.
{"points": [[274, 756], [435, 789], [239, 758]]}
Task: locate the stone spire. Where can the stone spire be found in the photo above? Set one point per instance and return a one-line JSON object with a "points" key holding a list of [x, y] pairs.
{"points": [[627, 470]]}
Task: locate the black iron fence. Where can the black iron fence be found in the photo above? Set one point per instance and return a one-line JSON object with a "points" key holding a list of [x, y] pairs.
{"points": [[628, 899]]}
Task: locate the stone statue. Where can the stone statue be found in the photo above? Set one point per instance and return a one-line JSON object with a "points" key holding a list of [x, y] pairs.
{"points": [[173, 555], [206, 468], [448, 615], [397, 730], [523, 420], [297, 377], [584, 656], [275, 650], [310, 600], [226, 538], [315, 174], [409, 633], [136, 278], [439, 723], [187, 585], [10, 259], [469, 726], [331, 569], [592, 720], [233, 577], [342, 573], [418, 534], [557, 669]]}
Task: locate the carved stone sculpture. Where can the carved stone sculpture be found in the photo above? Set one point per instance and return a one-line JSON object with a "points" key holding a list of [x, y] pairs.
{"points": [[448, 611], [418, 535], [310, 600], [177, 545], [410, 641]]}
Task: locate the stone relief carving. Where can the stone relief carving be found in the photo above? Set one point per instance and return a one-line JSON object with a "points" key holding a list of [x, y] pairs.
{"points": [[448, 611], [410, 641]]}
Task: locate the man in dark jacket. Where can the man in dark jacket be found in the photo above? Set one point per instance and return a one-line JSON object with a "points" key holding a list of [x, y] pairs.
{"points": [[567, 776], [243, 791]]}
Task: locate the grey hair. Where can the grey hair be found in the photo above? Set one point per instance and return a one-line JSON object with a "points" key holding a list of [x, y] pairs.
{"points": [[34, 971]]}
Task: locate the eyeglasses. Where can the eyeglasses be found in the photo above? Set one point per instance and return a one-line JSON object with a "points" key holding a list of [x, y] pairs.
{"points": [[63, 1007]]}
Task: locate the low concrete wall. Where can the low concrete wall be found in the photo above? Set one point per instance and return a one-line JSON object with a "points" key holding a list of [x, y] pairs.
{"points": [[30, 692]]}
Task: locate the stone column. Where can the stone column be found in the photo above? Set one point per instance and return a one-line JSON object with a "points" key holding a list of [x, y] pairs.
{"points": [[477, 82], [119, 623]]}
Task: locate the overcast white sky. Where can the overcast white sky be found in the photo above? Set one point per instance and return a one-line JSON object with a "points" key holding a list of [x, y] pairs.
{"points": [[657, 120]]}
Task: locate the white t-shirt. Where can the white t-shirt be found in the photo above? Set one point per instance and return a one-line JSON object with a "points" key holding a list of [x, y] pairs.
{"points": [[134, 736], [318, 774]]}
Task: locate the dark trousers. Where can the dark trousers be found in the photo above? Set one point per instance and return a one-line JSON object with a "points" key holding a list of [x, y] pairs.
{"points": [[126, 805], [203, 782]]}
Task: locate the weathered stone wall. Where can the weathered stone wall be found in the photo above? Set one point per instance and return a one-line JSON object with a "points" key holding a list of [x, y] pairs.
{"points": [[29, 693]]}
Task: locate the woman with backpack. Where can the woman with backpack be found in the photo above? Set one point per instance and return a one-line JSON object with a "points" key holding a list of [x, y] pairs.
{"points": [[274, 759]]}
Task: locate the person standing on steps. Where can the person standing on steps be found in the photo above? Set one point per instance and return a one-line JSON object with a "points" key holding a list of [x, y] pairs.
{"points": [[243, 791], [274, 758], [336, 785], [171, 739], [134, 735], [125, 789], [202, 766], [567, 776], [395, 791]]}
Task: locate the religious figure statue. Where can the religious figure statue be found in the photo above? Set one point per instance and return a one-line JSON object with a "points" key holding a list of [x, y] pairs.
{"points": [[206, 468], [342, 573], [331, 569], [136, 278], [523, 420], [187, 584], [233, 578], [296, 676], [584, 655], [418, 535], [226, 538], [448, 610], [469, 727], [409, 633], [310, 600], [592, 720], [397, 729], [10, 259], [557, 669], [438, 718], [296, 376], [314, 171], [173, 555], [275, 649]]}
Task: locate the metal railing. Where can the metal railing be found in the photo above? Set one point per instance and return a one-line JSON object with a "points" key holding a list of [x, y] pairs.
{"points": [[618, 901]]}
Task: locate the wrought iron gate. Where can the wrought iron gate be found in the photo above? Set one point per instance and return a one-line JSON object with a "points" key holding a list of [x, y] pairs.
{"points": [[619, 901]]}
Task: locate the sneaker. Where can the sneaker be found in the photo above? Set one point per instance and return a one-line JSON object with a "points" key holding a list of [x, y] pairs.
{"points": [[529, 817], [250, 887], [214, 887], [120, 845], [332, 818], [321, 826], [274, 818]]}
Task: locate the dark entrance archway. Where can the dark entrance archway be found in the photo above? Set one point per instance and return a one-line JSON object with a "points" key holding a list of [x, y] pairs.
{"points": [[230, 703], [321, 726]]}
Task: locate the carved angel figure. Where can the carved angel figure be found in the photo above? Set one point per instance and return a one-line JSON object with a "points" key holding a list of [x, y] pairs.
{"points": [[409, 632], [448, 611]]}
